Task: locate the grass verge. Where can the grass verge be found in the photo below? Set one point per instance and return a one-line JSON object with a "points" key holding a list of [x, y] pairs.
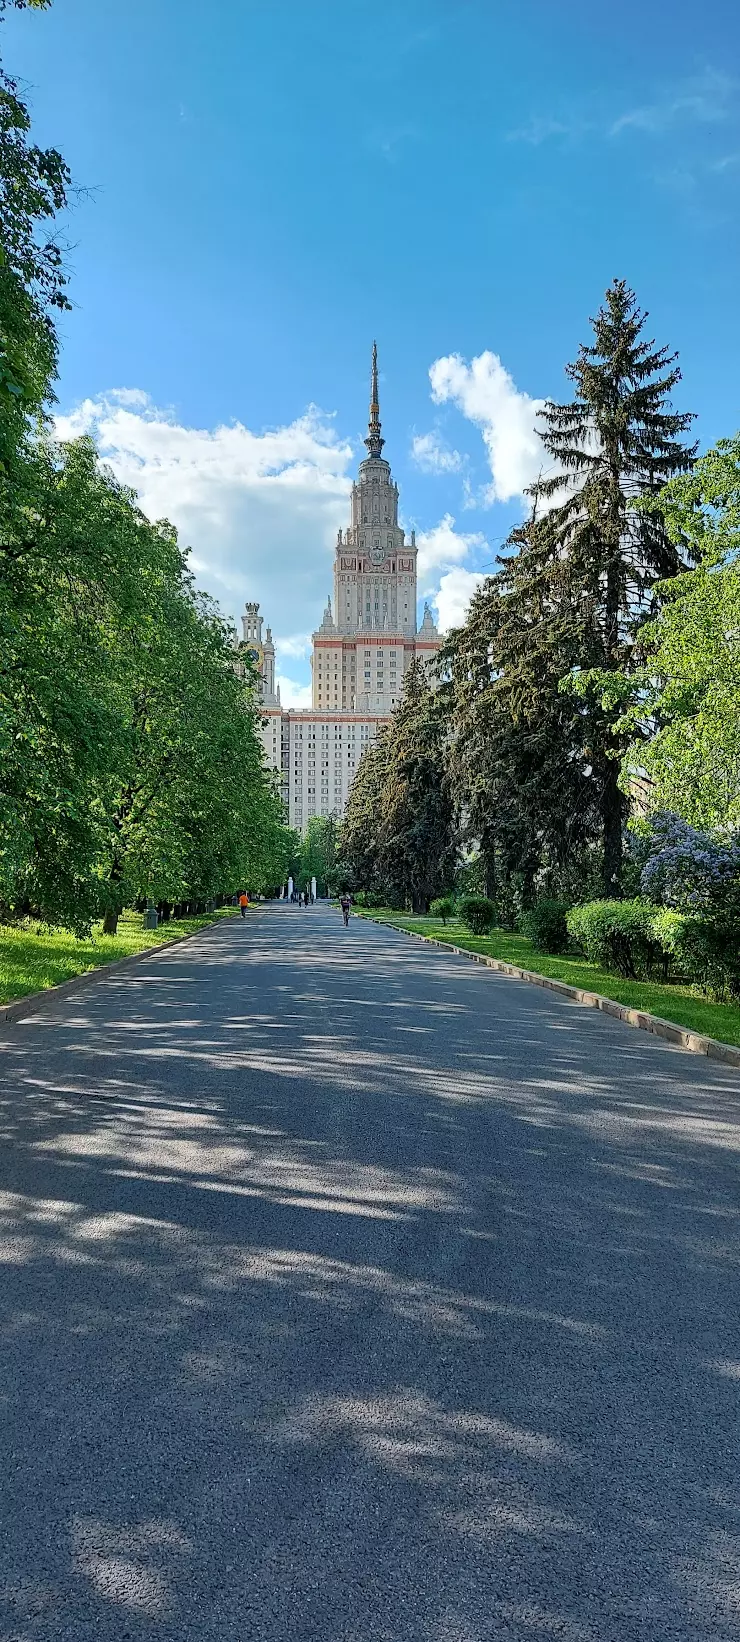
{"points": [[33, 957], [680, 1004]]}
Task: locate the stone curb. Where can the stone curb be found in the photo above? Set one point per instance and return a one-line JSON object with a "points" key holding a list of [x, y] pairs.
{"points": [[695, 1042], [20, 1007]]}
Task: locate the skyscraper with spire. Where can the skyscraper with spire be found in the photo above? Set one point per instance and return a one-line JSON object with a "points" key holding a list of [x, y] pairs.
{"points": [[362, 648]]}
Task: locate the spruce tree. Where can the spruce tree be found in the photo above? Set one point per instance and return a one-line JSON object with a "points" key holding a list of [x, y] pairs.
{"points": [[398, 833], [418, 842], [514, 752], [597, 559], [359, 837]]}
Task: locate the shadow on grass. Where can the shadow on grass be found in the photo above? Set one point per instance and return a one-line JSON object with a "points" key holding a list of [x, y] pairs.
{"points": [[34, 957]]}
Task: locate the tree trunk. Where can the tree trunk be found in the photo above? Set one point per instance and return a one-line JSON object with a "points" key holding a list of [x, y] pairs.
{"points": [[488, 852], [110, 922]]}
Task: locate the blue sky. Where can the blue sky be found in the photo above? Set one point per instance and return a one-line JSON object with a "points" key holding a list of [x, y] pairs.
{"points": [[268, 186]]}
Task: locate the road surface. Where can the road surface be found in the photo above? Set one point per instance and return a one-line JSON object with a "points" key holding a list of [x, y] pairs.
{"points": [[352, 1292]]}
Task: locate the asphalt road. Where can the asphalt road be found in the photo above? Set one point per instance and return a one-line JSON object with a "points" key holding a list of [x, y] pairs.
{"points": [[352, 1292]]}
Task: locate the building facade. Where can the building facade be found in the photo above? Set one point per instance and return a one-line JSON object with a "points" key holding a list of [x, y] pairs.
{"points": [[360, 652]]}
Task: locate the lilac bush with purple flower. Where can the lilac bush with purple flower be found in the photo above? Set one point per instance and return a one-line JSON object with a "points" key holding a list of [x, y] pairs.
{"points": [[689, 870], [695, 876]]}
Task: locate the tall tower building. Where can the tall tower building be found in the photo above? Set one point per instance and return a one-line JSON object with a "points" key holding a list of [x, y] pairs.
{"points": [[260, 652], [361, 650]]}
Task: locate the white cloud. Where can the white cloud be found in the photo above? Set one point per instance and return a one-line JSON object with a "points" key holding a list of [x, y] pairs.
{"points": [[260, 511], [441, 551], [133, 398], [456, 589], [432, 455], [293, 647], [487, 395], [295, 644], [292, 694], [444, 546]]}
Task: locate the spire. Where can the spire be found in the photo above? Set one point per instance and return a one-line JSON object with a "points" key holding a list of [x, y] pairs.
{"points": [[374, 441]]}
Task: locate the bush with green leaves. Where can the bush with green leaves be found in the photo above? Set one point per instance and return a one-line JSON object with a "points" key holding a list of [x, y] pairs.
{"points": [[701, 950], [617, 935], [478, 914], [443, 908], [376, 898], [545, 925]]}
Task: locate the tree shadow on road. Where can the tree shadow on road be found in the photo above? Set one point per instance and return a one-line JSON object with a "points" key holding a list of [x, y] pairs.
{"points": [[350, 1294]]}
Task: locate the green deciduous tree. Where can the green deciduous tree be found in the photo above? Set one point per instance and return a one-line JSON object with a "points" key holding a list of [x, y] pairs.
{"points": [[318, 854], [73, 573], [34, 188], [130, 760], [682, 706]]}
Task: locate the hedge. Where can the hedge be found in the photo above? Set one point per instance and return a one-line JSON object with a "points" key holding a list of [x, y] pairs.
{"points": [[640, 940], [618, 935]]}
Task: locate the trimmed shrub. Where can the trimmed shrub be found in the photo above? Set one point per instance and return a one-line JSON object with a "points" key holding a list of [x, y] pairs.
{"points": [[478, 914], [702, 950], [618, 935], [545, 925], [444, 908]]}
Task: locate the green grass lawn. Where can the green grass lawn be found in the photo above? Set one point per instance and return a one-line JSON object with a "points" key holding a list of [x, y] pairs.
{"points": [[674, 1003], [33, 957]]}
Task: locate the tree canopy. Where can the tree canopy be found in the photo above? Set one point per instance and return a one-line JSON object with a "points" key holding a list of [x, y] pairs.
{"points": [[537, 771], [398, 834], [681, 708], [131, 764]]}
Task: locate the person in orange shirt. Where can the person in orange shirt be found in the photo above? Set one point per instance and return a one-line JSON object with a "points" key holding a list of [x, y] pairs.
{"points": [[244, 902]]}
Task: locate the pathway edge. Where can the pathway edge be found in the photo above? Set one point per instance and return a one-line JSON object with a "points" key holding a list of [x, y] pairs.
{"points": [[17, 1008], [696, 1043]]}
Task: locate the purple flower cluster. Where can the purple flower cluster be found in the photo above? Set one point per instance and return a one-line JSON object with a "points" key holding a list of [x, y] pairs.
{"points": [[690, 870]]}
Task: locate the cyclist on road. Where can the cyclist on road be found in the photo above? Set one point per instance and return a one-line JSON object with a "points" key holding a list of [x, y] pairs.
{"points": [[345, 903]]}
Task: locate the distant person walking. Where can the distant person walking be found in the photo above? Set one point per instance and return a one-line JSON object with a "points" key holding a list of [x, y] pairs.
{"points": [[346, 904], [244, 902]]}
